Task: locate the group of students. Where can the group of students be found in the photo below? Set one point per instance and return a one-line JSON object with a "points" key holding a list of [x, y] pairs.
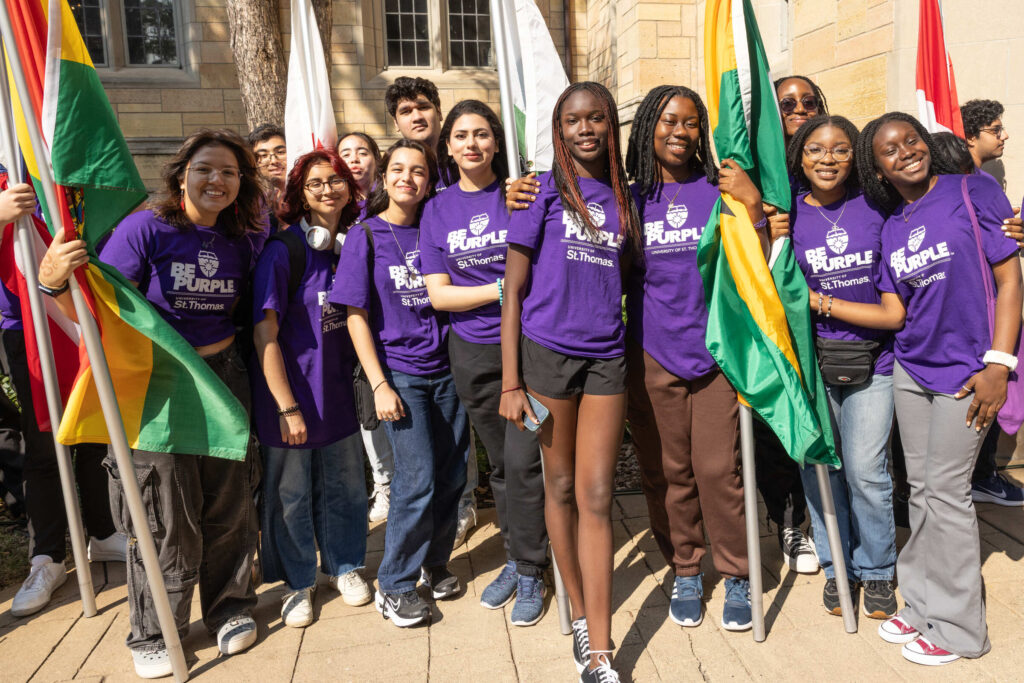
{"points": [[422, 291]]}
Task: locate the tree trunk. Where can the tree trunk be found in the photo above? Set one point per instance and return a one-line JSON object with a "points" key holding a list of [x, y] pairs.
{"points": [[324, 20], [259, 58]]}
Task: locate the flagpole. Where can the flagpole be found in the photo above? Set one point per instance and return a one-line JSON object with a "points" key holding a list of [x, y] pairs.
{"points": [[24, 242], [508, 121], [753, 532], [101, 375], [835, 544]]}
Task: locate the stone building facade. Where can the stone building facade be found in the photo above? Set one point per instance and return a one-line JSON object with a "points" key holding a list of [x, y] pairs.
{"points": [[862, 53]]}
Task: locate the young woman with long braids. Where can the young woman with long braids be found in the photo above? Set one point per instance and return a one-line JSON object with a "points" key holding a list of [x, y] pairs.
{"points": [[402, 344], [946, 352], [314, 491], [800, 99], [198, 242], [683, 412], [562, 316], [463, 256], [837, 239]]}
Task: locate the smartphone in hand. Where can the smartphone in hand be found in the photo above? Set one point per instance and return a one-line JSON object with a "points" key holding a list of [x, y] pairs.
{"points": [[539, 410]]}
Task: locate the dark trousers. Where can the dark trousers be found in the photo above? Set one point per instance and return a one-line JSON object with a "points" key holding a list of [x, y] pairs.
{"points": [[778, 479], [12, 454], [516, 477], [44, 499], [687, 443], [200, 511], [985, 468]]}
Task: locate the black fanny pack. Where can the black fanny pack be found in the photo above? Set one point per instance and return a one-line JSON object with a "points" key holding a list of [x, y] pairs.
{"points": [[846, 362], [366, 410]]}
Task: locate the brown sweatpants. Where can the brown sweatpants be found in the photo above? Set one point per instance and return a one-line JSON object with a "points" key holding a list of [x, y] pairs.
{"points": [[687, 443]]}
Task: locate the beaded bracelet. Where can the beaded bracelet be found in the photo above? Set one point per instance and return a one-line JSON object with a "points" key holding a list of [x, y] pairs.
{"points": [[501, 291], [828, 313], [820, 301]]}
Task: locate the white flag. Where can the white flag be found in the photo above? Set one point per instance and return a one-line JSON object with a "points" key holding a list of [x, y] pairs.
{"points": [[537, 80], [309, 120]]}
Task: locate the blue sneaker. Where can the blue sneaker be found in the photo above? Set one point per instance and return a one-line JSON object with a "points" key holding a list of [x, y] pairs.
{"points": [[500, 591], [736, 615], [529, 606], [686, 608], [999, 490]]}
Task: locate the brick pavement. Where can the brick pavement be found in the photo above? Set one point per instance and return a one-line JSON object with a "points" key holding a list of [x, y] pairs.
{"points": [[468, 643]]}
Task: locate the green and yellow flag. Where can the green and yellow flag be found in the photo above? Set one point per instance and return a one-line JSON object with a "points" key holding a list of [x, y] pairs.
{"points": [[170, 400], [759, 327]]}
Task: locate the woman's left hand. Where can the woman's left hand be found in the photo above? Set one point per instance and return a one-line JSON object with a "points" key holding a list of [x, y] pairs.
{"points": [[734, 180], [989, 387]]}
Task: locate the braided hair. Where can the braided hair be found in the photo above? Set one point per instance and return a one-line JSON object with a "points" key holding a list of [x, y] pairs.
{"points": [[818, 94], [563, 171], [795, 151], [641, 163], [876, 187]]}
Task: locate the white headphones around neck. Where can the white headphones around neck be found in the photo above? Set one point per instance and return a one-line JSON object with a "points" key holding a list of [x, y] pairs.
{"points": [[319, 237]]}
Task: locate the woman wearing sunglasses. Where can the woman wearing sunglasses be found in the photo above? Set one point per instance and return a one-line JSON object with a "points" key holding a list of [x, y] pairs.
{"points": [[799, 99]]}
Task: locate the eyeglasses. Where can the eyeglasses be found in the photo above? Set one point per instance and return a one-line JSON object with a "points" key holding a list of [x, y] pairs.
{"points": [[788, 104], [318, 186], [817, 153], [279, 153], [204, 172], [997, 131]]}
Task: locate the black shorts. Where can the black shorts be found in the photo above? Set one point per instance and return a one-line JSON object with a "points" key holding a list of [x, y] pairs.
{"points": [[557, 375]]}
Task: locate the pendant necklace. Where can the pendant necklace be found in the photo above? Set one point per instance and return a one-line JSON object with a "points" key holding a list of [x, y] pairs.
{"points": [[842, 209], [405, 255], [913, 207]]}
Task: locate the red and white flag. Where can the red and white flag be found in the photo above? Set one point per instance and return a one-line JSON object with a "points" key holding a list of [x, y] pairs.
{"points": [[64, 333], [937, 103], [309, 121]]}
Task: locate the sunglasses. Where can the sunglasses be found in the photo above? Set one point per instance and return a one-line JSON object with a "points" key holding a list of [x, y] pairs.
{"points": [[788, 105]]}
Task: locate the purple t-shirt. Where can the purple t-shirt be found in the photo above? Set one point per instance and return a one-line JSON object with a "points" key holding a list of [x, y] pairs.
{"points": [[464, 238], [844, 260], [315, 344], [931, 261], [192, 277], [665, 306], [10, 309], [573, 301], [410, 335]]}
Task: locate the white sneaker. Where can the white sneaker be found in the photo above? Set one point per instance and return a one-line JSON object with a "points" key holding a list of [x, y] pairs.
{"points": [[381, 502], [113, 548], [353, 588], [236, 635], [151, 662], [798, 550], [467, 520], [45, 577], [297, 608]]}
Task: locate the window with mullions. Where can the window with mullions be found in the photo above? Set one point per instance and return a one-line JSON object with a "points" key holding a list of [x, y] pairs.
{"points": [[469, 32], [150, 33], [89, 16], [408, 32]]}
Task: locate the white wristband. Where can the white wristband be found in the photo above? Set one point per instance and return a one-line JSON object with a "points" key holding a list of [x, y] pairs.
{"points": [[1000, 358]]}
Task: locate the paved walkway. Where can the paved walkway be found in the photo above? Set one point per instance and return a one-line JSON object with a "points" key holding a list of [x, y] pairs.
{"points": [[468, 643]]}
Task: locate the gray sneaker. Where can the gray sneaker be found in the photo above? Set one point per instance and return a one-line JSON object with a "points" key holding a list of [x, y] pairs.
{"points": [[236, 635]]}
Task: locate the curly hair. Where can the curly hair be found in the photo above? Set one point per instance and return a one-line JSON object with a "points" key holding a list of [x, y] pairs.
{"points": [[248, 210], [563, 171], [379, 199], [818, 94], [876, 187], [447, 167], [641, 163], [954, 151], [795, 151], [977, 114], [264, 132], [406, 88], [293, 203]]}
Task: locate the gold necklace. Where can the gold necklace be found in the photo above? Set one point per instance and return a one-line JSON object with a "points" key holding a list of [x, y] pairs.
{"points": [[842, 209], [671, 202], [913, 207]]}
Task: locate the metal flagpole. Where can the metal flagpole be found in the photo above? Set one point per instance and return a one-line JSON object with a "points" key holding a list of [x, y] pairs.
{"points": [[835, 544], [750, 512], [24, 242], [101, 375], [508, 120]]}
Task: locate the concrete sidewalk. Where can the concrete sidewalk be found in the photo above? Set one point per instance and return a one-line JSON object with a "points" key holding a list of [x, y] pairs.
{"points": [[468, 643]]}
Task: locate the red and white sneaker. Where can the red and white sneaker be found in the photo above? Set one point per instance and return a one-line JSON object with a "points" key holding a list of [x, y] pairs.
{"points": [[923, 651], [896, 631]]}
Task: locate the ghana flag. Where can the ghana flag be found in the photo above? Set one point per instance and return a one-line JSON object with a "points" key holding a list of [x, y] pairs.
{"points": [[170, 400], [759, 328]]}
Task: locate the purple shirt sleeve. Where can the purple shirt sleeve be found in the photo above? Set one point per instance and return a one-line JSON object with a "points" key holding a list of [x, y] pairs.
{"points": [[353, 281], [432, 255], [527, 225], [992, 208], [128, 248], [270, 282]]}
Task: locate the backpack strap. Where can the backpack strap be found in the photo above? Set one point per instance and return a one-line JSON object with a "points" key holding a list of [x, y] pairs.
{"points": [[296, 258]]}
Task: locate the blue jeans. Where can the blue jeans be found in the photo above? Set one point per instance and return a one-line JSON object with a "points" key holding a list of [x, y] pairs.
{"points": [[862, 489], [430, 445], [313, 497]]}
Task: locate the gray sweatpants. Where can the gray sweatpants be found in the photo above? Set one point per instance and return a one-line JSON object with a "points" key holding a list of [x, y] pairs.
{"points": [[940, 566]]}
